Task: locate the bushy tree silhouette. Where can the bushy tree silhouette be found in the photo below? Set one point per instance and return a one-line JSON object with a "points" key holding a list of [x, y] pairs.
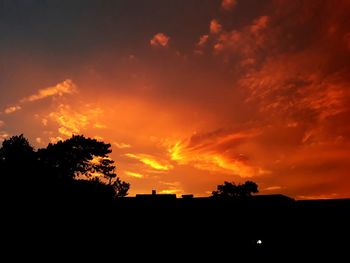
{"points": [[67, 169], [120, 188], [231, 190], [76, 157], [17, 158]]}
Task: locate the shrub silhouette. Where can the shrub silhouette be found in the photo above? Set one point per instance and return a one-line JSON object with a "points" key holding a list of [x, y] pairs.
{"points": [[231, 190]]}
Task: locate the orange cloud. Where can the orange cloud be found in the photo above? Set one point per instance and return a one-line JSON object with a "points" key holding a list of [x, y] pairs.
{"points": [[65, 87], [160, 40], [272, 188], [12, 109], [99, 126], [228, 5], [280, 88], [3, 135], [71, 121], [121, 145], [243, 44], [135, 175], [210, 152], [202, 40], [259, 24], [215, 27], [150, 161], [171, 188], [55, 139]]}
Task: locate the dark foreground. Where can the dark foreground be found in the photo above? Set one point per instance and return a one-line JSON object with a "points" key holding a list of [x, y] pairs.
{"points": [[272, 228]]}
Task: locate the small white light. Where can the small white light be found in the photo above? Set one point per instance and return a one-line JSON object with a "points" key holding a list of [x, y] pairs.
{"points": [[259, 242]]}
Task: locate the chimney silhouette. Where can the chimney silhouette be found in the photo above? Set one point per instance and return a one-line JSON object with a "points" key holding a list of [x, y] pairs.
{"points": [[154, 192]]}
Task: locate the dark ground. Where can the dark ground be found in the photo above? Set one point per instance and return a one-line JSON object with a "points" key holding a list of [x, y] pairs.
{"points": [[199, 228]]}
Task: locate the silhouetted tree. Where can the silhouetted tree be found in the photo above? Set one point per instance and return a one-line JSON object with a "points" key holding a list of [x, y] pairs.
{"points": [[17, 158], [121, 188], [249, 188], [77, 156], [53, 171], [231, 190], [80, 157]]}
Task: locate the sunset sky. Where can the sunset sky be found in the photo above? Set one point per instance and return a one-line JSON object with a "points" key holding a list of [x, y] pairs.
{"points": [[190, 93]]}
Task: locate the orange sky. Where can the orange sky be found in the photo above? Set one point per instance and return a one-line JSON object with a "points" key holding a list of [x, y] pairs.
{"points": [[236, 90]]}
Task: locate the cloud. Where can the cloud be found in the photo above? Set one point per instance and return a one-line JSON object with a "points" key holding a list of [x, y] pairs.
{"points": [[259, 24], [160, 40], [99, 138], [216, 151], [2, 123], [44, 121], [215, 27], [100, 126], [228, 5], [317, 197], [55, 139], [3, 135], [71, 121], [202, 40], [171, 188], [243, 44], [272, 188], [278, 87], [12, 109], [60, 89], [65, 87], [151, 161], [133, 174], [121, 145]]}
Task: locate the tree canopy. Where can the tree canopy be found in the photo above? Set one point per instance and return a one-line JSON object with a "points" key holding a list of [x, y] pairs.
{"points": [[76, 157], [231, 190], [77, 164]]}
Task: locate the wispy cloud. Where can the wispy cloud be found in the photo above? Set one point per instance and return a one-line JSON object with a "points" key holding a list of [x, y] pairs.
{"points": [[151, 161], [215, 152], [4, 135], [12, 109], [272, 188], [74, 121], [171, 188], [201, 44], [215, 27], [160, 40], [228, 5], [65, 87], [202, 40], [60, 89], [121, 145], [133, 174]]}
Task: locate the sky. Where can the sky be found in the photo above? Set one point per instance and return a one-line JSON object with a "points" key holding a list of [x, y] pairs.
{"points": [[189, 93]]}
